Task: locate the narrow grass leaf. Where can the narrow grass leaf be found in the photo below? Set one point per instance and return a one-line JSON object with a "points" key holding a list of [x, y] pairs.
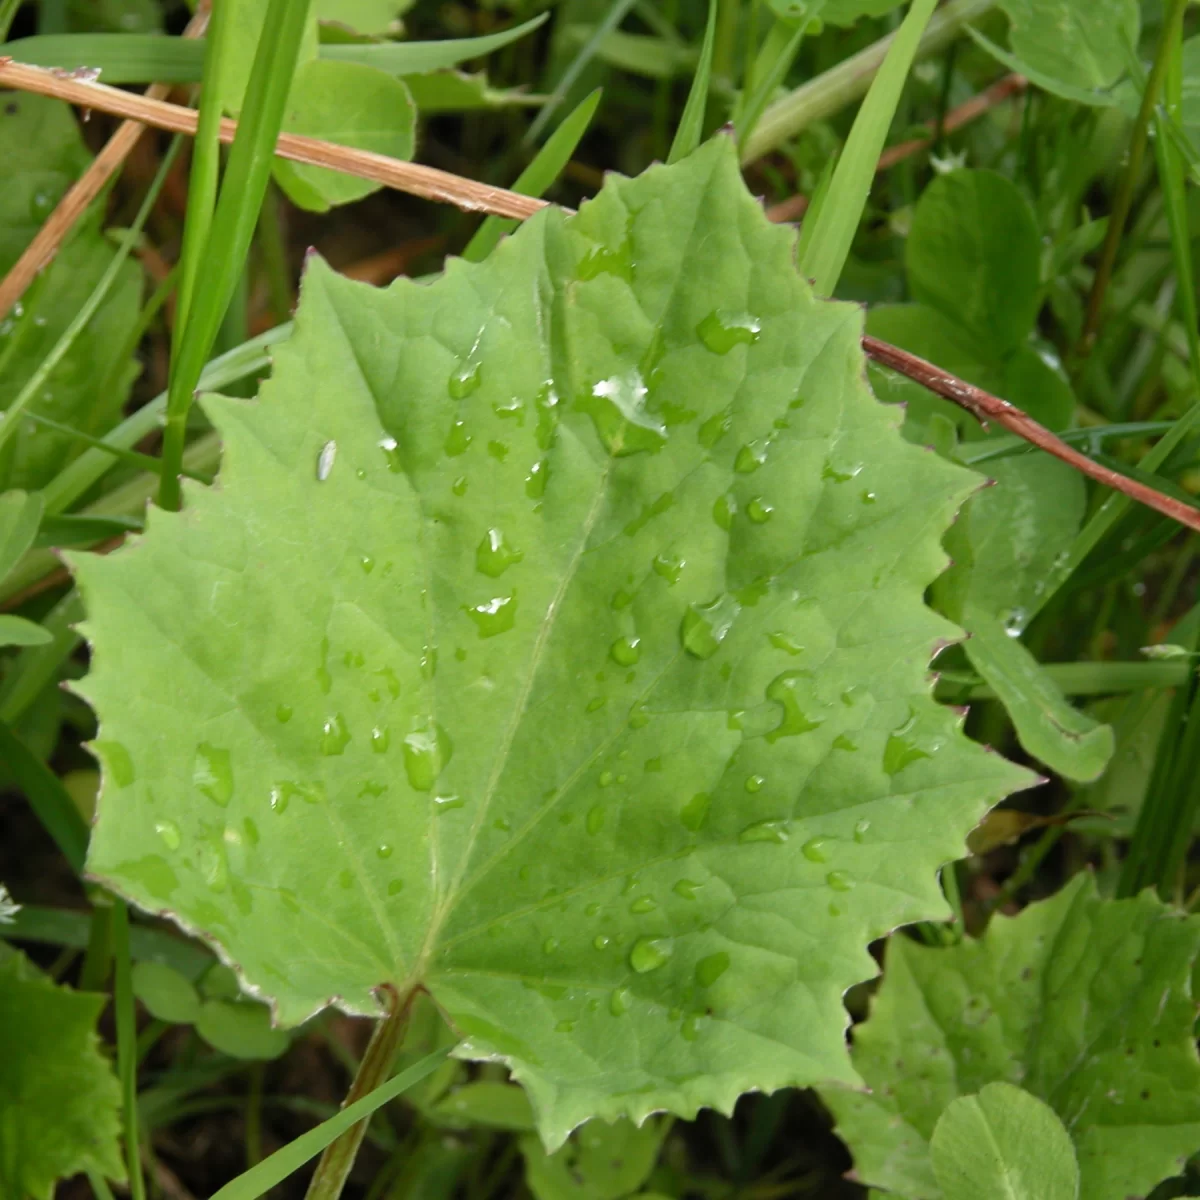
{"points": [[545, 168], [691, 124], [829, 245]]}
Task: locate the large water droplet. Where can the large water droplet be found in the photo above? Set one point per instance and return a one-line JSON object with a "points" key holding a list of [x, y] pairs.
{"points": [[817, 849], [169, 832], [494, 616], [602, 260], [620, 1001], [784, 689], [710, 968], [212, 773], [648, 954], [724, 509], [686, 888], [625, 651], [643, 904], [617, 407], [457, 439], [721, 330], [765, 831], [668, 567], [840, 474], [840, 881], [334, 735], [1014, 622], [901, 748], [758, 510], [751, 456], [325, 460], [705, 626], [495, 554], [426, 753], [715, 428], [464, 379]]}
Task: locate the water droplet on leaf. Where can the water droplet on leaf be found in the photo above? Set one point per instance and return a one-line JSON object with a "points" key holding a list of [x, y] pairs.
{"points": [[495, 554], [426, 753], [722, 330], [710, 968], [212, 773], [648, 954], [705, 626]]}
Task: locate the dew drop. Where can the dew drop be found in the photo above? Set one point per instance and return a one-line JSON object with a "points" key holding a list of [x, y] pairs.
{"points": [[334, 736], [601, 941], [41, 204], [117, 760], [494, 616], [367, 563], [668, 567], [643, 904], [535, 481], [625, 651], [783, 690], [391, 454], [605, 261], [750, 457], [842, 742], [444, 804], [212, 773], [564, 1027], [380, 739], [459, 486], [869, 497], [617, 406], [498, 450], [1014, 622], [384, 850], [595, 704], [653, 766], [817, 850], [754, 783], [464, 379], [426, 753], [648, 954], [620, 1001], [840, 881], [759, 511], [550, 945], [252, 834], [694, 813], [840, 474], [395, 887], [606, 779], [765, 831], [710, 968], [713, 429], [325, 460], [595, 819], [457, 439], [705, 626], [169, 832], [785, 642], [722, 330], [495, 554], [861, 829], [724, 508], [686, 888], [901, 748]]}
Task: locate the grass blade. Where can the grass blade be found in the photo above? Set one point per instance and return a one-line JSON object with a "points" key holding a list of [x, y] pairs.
{"points": [[278, 1166], [126, 1021], [840, 213], [233, 223], [691, 124], [764, 88], [47, 797], [545, 168]]}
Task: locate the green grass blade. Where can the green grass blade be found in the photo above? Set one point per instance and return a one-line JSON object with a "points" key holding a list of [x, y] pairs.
{"points": [[34, 667], [839, 216], [691, 124], [615, 15], [149, 58], [47, 797], [808, 225], [62, 347], [278, 1166], [234, 222], [764, 88], [126, 1021], [545, 168]]}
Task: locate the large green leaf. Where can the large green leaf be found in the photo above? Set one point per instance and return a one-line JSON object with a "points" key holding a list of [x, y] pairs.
{"points": [[554, 641], [59, 1099], [42, 152], [1085, 1003], [1003, 1144]]}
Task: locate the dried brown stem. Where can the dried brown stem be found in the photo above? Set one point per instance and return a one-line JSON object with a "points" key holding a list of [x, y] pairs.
{"points": [[414, 178], [793, 208], [441, 185], [41, 251], [986, 407]]}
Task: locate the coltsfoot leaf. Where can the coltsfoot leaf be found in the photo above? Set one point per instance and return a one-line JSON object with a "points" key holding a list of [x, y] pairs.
{"points": [[553, 640], [1085, 1003]]}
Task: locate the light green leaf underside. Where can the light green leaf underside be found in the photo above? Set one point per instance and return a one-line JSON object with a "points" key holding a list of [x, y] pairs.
{"points": [[405, 698], [58, 1095], [1085, 1003], [1003, 1144]]}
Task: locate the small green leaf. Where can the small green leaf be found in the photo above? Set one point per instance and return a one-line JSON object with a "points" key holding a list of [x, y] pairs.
{"points": [[16, 631], [973, 253], [363, 16], [572, 605], [485, 1103], [168, 994], [20, 516], [240, 1028], [602, 1161], [1003, 1144], [1086, 1003], [352, 105], [59, 1099], [244, 25]]}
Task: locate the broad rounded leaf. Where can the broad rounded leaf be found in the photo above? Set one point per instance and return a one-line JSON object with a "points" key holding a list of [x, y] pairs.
{"points": [[1003, 1144], [973, 253], [352, 105], [553, 640], [59, 1098], [1085, 1003]]}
